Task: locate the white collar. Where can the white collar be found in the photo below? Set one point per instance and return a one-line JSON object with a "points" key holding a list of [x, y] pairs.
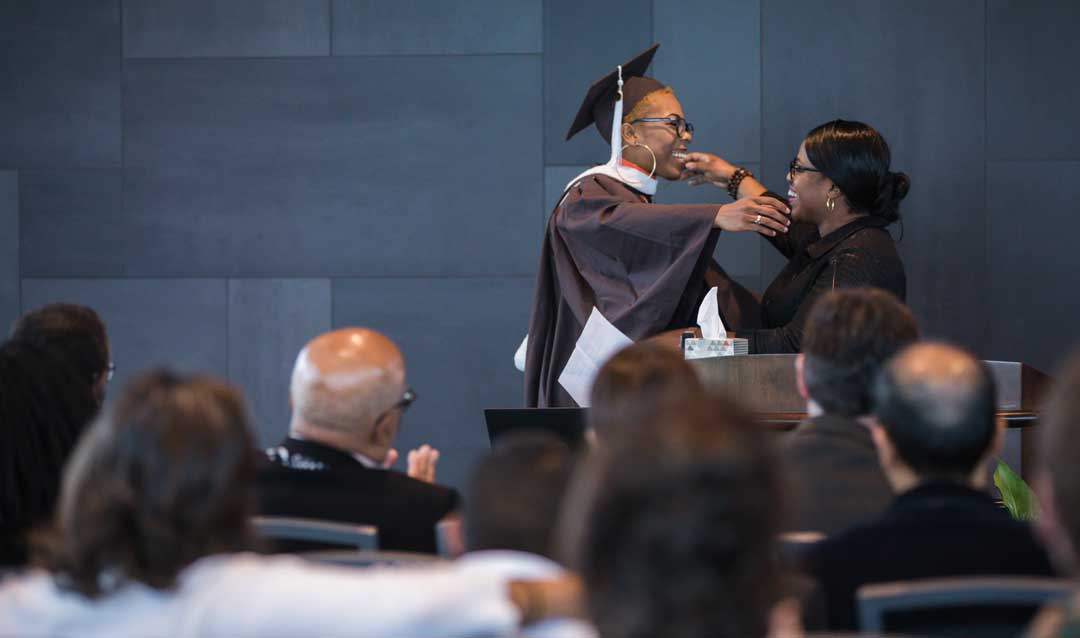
{"points": [[366, 461], [627, 173]]}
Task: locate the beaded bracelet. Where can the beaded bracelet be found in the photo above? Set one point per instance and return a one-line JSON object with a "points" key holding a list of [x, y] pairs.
{"points": [[736, 178]]}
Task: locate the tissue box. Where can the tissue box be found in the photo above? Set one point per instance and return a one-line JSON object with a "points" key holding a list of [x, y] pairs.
{"points": [[708, 348]]}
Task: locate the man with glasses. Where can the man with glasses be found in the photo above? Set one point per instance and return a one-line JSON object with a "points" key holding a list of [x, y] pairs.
{"points": [[348, 394]]}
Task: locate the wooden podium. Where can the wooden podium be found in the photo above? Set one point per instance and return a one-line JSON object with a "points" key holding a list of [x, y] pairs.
{"points": [[766, 382]]}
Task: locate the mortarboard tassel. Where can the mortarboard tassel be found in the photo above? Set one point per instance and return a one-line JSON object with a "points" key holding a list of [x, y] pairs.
{"points": [[616, 128]]}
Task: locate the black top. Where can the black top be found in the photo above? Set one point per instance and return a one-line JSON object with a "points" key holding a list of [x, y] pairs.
{"points": [[13, 549], [861, 253], [310, 480], [834, 478], [932, 531]]}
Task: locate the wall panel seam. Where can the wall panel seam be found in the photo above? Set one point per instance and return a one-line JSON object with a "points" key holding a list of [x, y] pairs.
{"points": [[275, 277], [984, 335], [18, 245], [280, 58], [228, 328], [761, 124]]}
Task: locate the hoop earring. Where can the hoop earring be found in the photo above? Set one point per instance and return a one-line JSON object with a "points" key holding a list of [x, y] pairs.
{"points": [[653, 171], [830, 204]]}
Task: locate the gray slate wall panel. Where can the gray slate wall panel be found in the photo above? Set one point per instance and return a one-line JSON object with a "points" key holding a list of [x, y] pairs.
{"points": [[69, 224], [459, 338], [220, 28], [270, 320], [555, 180], [421, 27], [711, 57], [582, 42], [178, 323], [9, 250], [260, 168], [915, 71], [1032, 88], [1034, 307], [60, 84]]}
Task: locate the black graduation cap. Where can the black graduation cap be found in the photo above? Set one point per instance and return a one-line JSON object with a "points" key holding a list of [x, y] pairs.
{"points": [[599, 104]]}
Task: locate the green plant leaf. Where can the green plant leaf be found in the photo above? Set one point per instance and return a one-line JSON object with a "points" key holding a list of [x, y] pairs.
{"points": [[1017, 495]]}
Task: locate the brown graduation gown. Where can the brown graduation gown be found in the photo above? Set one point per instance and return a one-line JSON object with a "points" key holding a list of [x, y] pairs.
{"points": [[645, 266]]}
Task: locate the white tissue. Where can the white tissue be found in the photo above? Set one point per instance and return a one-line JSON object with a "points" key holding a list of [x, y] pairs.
{"points": [[708, 317]]}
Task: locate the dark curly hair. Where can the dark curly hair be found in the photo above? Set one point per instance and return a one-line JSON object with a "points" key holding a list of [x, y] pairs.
{"points": [[536, 463], [1059, 446], [73, 328], [849, 335], [635, 384], [158, 482], [679, 538], [44, 408]]}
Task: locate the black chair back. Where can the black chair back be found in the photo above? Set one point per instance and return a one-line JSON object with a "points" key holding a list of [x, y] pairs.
{"points": [[295, 534], [987, 607]]}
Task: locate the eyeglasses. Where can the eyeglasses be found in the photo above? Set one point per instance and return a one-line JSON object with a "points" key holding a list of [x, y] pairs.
{"points": [[794, 169], [677, 122], [407, 398]]}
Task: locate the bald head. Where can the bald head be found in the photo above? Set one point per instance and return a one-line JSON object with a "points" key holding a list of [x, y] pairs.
{"points": [[343, 380], [936, 403]]}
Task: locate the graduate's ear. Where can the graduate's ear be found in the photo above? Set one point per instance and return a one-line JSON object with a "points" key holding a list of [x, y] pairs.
{"points": [[629, 135]]}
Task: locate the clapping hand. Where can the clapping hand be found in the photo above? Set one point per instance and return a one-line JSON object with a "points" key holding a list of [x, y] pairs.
{"points": [[421, 462]]}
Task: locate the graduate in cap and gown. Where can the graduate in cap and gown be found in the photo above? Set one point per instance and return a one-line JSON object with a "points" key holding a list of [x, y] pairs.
{"points": [[645, 267]]}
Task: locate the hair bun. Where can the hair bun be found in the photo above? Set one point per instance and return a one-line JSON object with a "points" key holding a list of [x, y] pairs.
{"points": [[893, 187]]}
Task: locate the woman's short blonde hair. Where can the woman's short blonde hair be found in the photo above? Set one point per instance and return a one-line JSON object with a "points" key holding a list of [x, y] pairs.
{"points": [[644, 103]]}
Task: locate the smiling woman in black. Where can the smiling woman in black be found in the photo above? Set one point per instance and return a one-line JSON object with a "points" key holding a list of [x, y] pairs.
{"points": [[842, 197]]}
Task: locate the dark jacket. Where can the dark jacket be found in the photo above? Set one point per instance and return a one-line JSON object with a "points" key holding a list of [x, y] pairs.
{"points": [[932, 531], [861, 253], [834, 480], [310, 480]]}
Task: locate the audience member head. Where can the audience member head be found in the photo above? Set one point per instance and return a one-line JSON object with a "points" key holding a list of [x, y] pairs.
{"points": [[637, 384], [160, 480], [76, 330], [348, 391], [849, 334], [934, 404], [44, 408], [842, 168], [678, 528], [497, 516], [1057, 482]]}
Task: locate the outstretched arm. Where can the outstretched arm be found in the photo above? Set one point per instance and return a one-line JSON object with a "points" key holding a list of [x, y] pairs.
{"points": [[706, 168]]}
